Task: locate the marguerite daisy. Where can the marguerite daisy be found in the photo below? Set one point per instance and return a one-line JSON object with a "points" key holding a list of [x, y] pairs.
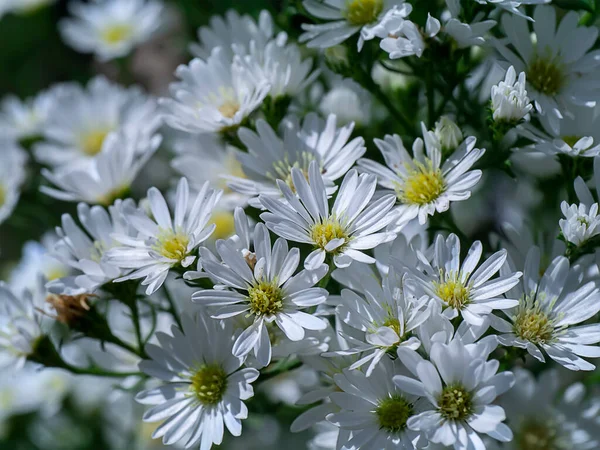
{"points": [[351, 226], [203, 384]]}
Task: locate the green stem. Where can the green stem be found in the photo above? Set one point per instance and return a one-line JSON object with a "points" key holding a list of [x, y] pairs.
{"points": [[135, 318], [172, 308]]}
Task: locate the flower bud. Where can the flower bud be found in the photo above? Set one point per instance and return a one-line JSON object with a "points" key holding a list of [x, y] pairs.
{"points": [[448, 133]]}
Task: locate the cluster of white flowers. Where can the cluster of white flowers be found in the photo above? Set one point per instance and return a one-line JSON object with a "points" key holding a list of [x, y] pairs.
{"points": [[341, 224]]}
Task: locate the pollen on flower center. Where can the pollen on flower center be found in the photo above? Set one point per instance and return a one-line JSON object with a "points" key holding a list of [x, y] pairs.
{"points": [[172, 245], [423, 185], [455, 403], [393, 413], [546, 76], [362, 12], [209, 384], [326, 231], [91, 142], [282, 170], [393, 323], [535, 435], [265, 298], [229, 108], [116, 33], [532, 324], [453, 292]]}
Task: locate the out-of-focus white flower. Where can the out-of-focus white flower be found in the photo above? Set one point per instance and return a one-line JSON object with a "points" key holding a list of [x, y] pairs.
{"points": [[346, 18], [580, 223], [108, 176], [509, 98], [448, 134], [352, 225], [12, 175], [349, 102], [23, 7], [202, 390], [216, 94], [270, 158], [465, 34], [561, 71], [513, 6], [24, 119], [80, 120], [111, 28], [163, 243]]}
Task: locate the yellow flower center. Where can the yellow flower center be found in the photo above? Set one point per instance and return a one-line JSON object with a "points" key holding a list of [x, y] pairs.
{"points": [[394, 324], [266, 298], [328, 230], [229, 108], [453, 292], [2, 195], [535, 435], [546, 76], [455, 403], [91, 142], [532, 324], [116, 33], [172, 245], [362, 12], [282, 170], [423, 185], [571, 140], [393, 412], [114, 194], [209, 384], [225, 225]]}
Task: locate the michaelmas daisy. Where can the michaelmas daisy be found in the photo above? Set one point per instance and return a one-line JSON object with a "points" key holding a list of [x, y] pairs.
{"points": [[352, 225], [111, 28], [421, 184], [203, 384], [162, 242]]}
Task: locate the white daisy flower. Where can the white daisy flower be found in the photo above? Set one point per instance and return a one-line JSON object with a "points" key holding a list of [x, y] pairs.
{"points": [[81, 119], [387, 315], [457, 388], [214, 95], [543, 417], [423, 185], [466, 34], [83, 250], [374, 409], [24, 119], [345, 18], [348, 101], [203, 157], [270, 158], [401, 38], [163, 243], [19, 325], [351, 226], [509, 99], [464, 289], [111, 28], [561, 73], [203, 384], [262, 285], [577, 134], [232, 30], [580, 223], [12, 175], [107, 177], [549, 311]]}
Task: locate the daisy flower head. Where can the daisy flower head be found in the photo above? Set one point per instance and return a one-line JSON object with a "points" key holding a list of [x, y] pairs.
{"points": [[270, 158], [262, 285], [580, 223], [457, 387], [12, 175], [344, 19], [24, 120], [111, 28], [82, 248], [203, 385], [374, 409], [214, 95], [20, 328], [550, 311], [164, 241], [106, 177], [401, 38], [352, 225], [466, 289], [561, 72], [509, 99], [421, 184], [387, 314], [80, 121]]}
